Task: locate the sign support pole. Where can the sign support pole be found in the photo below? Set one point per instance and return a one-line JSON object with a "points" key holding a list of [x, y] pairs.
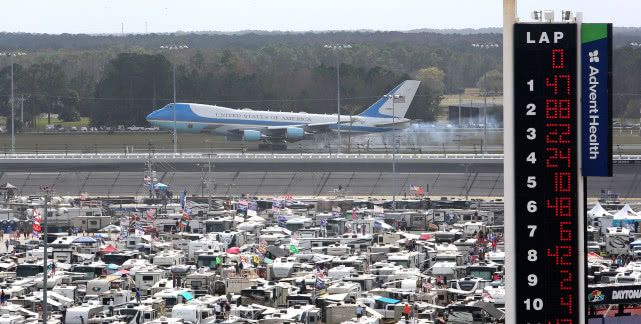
{"points": [[509, 19]]}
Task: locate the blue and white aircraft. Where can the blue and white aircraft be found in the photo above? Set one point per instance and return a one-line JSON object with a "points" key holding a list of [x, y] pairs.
{"points": [[386, 114]]}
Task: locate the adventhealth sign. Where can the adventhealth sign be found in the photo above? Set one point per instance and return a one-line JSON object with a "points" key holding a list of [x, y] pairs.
{"points": [[596, 57]]}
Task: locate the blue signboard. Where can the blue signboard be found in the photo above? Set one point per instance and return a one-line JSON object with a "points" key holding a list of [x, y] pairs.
{"points": [[596, 57]]}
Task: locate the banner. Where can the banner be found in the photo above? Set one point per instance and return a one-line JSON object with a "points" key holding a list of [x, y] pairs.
{"points": [[596, 70], [613, 294]]}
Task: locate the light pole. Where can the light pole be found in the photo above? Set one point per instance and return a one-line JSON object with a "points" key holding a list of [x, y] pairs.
{"points": [[336, 48], [174, 48], [393, 97], [13, 128]]}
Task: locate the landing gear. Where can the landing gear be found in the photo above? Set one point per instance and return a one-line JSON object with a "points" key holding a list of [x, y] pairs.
{"points": [[272, 147]]}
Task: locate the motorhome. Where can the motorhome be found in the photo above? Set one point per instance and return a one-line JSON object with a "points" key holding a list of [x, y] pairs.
{"points": [[146, 279], [81, 314]]}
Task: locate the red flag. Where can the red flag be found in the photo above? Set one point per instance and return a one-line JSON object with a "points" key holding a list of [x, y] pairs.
{"points": [[354, 214]]}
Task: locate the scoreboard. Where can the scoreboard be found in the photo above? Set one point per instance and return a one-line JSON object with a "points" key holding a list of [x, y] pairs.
{"points": [[546, 174]]}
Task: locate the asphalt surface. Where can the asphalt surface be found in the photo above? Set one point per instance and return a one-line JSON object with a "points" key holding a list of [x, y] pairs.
{"points": [[451, 178]]}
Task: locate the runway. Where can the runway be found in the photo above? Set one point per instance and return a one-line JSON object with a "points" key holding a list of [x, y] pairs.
{"points": [[363, 178]]}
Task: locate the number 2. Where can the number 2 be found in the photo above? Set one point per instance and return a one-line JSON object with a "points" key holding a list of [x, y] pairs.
{"points": [[531, 109]]}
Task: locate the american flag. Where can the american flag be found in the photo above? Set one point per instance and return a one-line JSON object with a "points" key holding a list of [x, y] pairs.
{"points": [[150, 214], [37, 220]]}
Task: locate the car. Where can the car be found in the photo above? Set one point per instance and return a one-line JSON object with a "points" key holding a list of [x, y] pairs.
{"points": [[83, 129], [73, 129]]}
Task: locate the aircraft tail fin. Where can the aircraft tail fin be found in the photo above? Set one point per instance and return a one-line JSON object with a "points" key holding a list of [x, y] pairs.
{"points": [[395, 103]]}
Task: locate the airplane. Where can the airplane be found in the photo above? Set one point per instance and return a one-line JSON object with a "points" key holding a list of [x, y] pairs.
{"points": [[274, 127]]}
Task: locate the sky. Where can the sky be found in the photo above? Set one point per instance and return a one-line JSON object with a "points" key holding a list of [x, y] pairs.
{"points": [[161, 16]]}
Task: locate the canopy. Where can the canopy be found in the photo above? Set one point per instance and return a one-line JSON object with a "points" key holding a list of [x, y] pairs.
{"points": [[111, 228], [85, 240], [425, 237], [387, 300], [187, 295], [233, 250], [7, 186], [598, 211], [593, 257], [626, 213], [109, 249], [160, 185]]}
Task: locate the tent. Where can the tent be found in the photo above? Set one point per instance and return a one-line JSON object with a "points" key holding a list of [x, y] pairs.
{"points": [[160, 186], [111, 228], [598, 211], [84, 240], [233, 250], [8, 186], [625, 216], [109, 249], [628, 210]]}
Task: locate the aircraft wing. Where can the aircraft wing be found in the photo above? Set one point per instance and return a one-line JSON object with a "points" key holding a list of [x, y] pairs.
{"points": [[308, 128]]}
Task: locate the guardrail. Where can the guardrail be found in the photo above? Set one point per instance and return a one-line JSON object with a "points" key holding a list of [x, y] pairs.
{"points": [[263, 156]]}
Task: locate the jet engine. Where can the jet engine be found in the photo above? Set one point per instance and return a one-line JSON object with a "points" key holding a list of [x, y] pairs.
{"points": [[295, 133], [251, 135]]}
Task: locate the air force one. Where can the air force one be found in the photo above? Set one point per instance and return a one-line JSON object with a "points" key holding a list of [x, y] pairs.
{"points": [[386, 114]]}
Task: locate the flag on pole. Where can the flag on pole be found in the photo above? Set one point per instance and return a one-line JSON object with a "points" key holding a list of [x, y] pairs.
{"points": [[150, 214], [354, 214]]}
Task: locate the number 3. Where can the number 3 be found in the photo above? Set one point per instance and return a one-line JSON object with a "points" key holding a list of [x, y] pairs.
{"points": [[531, 133]]}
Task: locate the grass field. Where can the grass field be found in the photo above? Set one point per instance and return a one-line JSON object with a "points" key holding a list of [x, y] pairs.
{"points": [[41, 123]]}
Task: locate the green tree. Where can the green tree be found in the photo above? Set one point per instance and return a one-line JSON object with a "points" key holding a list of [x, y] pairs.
{"points": [[491, 83], [133, 85], [429, 93]]}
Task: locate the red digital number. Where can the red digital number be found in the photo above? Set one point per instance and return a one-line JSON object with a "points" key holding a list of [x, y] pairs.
{"points": [[562, 206], [565, 235], [558, 155], [557, 108], [561, 252], [567, 279], [567, 303], [561, 321], [558, 58], [558, 133], [555, 85], [562, 182]]}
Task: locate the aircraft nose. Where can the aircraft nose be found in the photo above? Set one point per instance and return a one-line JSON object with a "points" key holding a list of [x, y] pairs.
{"points": [[153, 115]]}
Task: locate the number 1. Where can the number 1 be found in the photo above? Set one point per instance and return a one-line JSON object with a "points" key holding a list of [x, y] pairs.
{"points": [[531, 84]]}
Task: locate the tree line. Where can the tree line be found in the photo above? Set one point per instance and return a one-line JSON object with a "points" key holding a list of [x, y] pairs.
{"points": [[118, 80]]}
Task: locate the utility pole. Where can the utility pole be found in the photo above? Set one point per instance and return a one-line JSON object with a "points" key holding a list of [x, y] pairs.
{"points": [[394, 147], [13, 115], [209, 184], [336, 48], [48, 190], [150, 172], [174, 48]]}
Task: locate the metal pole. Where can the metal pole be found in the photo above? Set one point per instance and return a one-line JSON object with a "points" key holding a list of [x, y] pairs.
{"points": [[509, 18], [209, 185], [13, 128], [338, 100], [394, 153], [485, 126], [45, 272], [175, 134]]}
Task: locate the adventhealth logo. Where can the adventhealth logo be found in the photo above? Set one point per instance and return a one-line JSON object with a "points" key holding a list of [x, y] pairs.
{"points": [[594, 56]]}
